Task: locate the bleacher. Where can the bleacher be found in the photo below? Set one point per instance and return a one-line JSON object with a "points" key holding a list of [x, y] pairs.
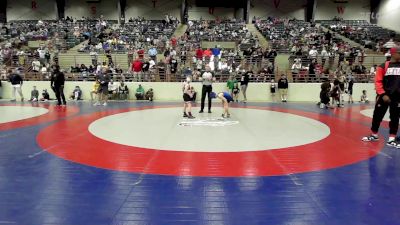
{"points": [[361, 31]]}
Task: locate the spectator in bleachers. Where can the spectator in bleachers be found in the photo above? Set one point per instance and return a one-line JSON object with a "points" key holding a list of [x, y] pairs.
{"points": [[136, 68], [173, 65], [36, 65], [153, 53], [139, 92]]}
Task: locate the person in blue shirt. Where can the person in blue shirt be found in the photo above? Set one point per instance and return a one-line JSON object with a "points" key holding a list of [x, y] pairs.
{"points": [[216, 52], [153, 53], [226, 98]]}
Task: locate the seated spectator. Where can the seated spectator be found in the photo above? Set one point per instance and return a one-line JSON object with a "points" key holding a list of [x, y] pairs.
{"points": [[45, 96], [139, 93], [76, 94], [364, 97], [112, 90], [34, 95], [149, 95], [123, 91]]}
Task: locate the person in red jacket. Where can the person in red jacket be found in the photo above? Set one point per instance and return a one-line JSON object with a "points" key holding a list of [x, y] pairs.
{"points": [[387, 85], [136, 68]]}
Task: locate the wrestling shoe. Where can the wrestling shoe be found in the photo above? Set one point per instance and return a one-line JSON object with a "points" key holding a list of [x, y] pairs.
{"points": [[370, 138], [185, 115], [228, 115], [393, 143], [190, 116]]}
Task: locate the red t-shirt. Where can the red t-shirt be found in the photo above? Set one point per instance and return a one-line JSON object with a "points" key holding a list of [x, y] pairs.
{"points": [[207, 53], [199, 53], [137, 66]]}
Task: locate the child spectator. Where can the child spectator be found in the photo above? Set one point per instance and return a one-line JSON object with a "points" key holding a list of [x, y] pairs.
{"points": [[34, 95], [45, 96], [76, 94], [231, 84], [364, 97], [283, 86], [149, 95], [272, 89]]}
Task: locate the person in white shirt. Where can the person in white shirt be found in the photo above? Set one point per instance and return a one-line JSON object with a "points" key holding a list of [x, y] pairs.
{"points": [[36, 65], [313, 53], [324, 56], [112, 89]]}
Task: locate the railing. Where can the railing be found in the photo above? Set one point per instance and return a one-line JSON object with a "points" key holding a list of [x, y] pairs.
{"points": [[160, 75]]}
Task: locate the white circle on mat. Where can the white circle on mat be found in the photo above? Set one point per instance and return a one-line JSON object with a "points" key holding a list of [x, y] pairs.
{"points": [[370, 113], [15, 113], [257, 130]]}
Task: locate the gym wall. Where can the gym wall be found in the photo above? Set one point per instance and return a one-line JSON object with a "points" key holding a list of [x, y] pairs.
{"points": [[31, 10], [173, 91], [78, 8], [388, 14]]}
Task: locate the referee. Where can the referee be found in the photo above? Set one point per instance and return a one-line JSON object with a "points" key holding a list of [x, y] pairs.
{"points": [[207, 79]]}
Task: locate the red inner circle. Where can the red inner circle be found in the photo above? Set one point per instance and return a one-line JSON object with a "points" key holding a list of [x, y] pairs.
{"points": [[72, 141]]}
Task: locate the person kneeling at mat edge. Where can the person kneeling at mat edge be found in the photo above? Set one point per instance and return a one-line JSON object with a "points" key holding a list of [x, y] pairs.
{"points": [[225, 98]]}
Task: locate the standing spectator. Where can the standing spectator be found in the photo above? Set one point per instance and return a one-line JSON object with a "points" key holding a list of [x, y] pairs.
{"points": [[244, 83], [136, 68], [153, 53], [283, 86], [173, 63], [350, 84], [36, 65], [16, 82], [57, 84], [207, 79]]}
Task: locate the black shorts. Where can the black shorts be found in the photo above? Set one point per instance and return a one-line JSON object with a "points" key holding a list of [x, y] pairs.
{"points": [[103, 89], [187, 98]]}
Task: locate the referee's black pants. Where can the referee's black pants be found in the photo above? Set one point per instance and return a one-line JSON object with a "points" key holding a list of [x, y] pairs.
{"points": [[206, 90], [380, 110]]}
